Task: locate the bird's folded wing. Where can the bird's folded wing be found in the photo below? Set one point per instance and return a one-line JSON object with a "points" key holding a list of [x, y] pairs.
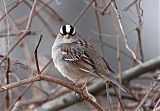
{"points": [[75, 53]]}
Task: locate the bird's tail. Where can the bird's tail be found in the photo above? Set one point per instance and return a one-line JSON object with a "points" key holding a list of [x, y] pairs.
{"points": [[114, 81]]}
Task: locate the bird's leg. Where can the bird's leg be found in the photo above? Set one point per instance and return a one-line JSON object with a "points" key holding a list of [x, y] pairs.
{"points": [[83, 89], [73, 83]]}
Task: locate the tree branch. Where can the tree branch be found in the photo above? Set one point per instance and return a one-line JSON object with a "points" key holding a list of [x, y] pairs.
{"points": [[127, 76], [78, 91]]}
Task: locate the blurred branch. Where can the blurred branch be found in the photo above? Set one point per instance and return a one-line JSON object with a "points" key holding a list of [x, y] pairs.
{"points": [[139, 28], [13, 7], [99, 30], [31, 15], [46, 24], [147, 94], [130, 5], [81, 13], [14, 34], [55, 15], [106, 7], [27, 88], [25, 33], [118, 57], [123, 32], [19, 97], [157, 108], [127, 76], [57, 81]]}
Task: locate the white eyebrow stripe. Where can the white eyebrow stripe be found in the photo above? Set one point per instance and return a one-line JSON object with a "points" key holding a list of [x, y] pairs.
{"points": [[68, 28], [61, 30], [74, 31]]}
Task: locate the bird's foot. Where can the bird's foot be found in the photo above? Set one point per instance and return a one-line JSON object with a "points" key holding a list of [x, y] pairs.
{"points": [[73, 83], [84, 86], [83, 89]]}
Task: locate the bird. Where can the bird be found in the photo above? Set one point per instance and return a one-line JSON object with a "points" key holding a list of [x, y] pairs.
{"points": [[76, 59]]}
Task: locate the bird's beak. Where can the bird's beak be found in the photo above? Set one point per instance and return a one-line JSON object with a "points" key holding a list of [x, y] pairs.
{"points": [[67, 36]]}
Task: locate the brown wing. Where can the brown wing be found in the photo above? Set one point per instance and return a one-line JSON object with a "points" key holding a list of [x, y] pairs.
{"points": [[76, 54]]}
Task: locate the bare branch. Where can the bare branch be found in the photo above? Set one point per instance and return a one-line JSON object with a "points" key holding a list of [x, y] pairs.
{"points": [[57, 81], [81, 13], [13, 7], [145, 97], [130, 5], [123, 33], [25, 33], [127, 75], [36, 54], [106, 7]]}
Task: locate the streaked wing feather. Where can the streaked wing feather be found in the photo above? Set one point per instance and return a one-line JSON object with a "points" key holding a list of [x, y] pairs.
{"points": [[86, 64], [70, 52], [76, 54]]}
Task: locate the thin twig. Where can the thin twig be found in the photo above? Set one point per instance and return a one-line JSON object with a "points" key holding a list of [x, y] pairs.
{"points": [[99, 28], [138, 28], [27, 88], [13, 7], [7, 79], [123, 33], [118, 58], [50, 61], [19, 97], [81, 13], [36, 54], [145, 97], [130, 5], [46, 24], [13, 34], [119, 97], [106, 7], [59, 18], [119, 66], [31, 15], [25, 33], [8, 60], [140, 43], [156, 106], [140, 13], [109, 100]]}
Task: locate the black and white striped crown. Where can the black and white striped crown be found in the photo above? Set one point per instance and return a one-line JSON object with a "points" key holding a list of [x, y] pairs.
{"points": [[67, 29]]}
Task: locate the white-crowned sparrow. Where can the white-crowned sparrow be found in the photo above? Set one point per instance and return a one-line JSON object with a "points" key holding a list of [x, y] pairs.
{"points": [[77, 60]]}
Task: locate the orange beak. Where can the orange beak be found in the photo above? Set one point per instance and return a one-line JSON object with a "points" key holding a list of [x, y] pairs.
{"points": [[67, 36]]}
